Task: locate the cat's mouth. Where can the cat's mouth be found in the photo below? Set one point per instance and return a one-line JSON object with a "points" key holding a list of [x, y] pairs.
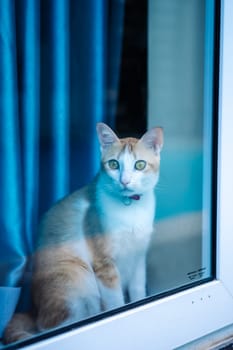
{"points": [[127, 191], [132, 194]]}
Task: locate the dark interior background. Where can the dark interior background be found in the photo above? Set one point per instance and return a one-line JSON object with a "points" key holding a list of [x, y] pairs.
{"points": [[131, 114]]}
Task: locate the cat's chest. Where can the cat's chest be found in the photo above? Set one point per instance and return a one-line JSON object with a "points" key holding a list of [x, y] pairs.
{"points": [[128, 218], [129, 225]]}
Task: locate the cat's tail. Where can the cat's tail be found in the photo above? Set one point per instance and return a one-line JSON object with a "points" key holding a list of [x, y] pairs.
{"points": [[20, 327]]}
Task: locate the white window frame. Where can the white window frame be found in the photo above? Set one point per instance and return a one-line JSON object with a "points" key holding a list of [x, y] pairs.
{"points": [[175, 320]]}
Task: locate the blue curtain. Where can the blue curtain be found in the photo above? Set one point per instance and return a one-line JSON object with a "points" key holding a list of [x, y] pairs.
{"points": [[59, 71]]}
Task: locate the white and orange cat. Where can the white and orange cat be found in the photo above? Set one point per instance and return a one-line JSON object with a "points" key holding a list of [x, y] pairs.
{"points": [[92, 246]]}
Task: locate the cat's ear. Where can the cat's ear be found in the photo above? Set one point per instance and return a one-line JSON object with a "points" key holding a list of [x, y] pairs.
{"points": [[106, 136], [153, 139]]}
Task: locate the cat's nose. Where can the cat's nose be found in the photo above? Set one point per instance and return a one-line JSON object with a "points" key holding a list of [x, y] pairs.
{"points": [[125, 180]]}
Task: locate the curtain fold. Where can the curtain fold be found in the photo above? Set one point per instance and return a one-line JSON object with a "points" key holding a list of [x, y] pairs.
{"points": [[60, 98], [58, 61], [12, 223], [29, 110], [88, 84]]}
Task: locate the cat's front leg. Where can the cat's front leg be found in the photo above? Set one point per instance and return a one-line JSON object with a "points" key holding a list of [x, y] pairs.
{"points": [[137, 284], [109, 283]]}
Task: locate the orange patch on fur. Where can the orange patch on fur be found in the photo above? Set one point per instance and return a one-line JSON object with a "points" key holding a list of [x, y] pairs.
{"points": [[52, 314], [106, 271], [119, 147], [103, 264], [60, 274]]}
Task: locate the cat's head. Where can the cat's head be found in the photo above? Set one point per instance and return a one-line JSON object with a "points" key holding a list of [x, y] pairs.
{"points": [[130, 165]]}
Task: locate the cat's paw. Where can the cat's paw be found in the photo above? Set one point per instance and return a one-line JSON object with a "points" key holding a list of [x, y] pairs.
{"points": [[21, 326]]}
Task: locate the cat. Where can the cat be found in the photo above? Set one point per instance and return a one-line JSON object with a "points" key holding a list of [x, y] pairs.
{"points": [[92, 244]]}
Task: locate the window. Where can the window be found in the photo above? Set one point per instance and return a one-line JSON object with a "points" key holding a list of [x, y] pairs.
{"points": [[189, 262]]}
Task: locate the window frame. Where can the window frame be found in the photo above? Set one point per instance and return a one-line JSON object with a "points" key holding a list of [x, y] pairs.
{"points": [[180, 318]]}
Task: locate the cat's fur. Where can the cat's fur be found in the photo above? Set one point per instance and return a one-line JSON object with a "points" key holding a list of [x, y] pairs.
{"points": [[92, 245]]}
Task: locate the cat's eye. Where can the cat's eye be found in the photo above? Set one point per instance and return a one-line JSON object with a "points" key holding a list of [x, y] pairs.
{"points": [[140, 165], [113, 164]]}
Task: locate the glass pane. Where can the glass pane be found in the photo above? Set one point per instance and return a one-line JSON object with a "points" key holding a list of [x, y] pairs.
{"points": [[74, 249], [181, 42]]}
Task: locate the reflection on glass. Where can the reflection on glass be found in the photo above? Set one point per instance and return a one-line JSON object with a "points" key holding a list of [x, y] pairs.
{"points": [[138, 228]]}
